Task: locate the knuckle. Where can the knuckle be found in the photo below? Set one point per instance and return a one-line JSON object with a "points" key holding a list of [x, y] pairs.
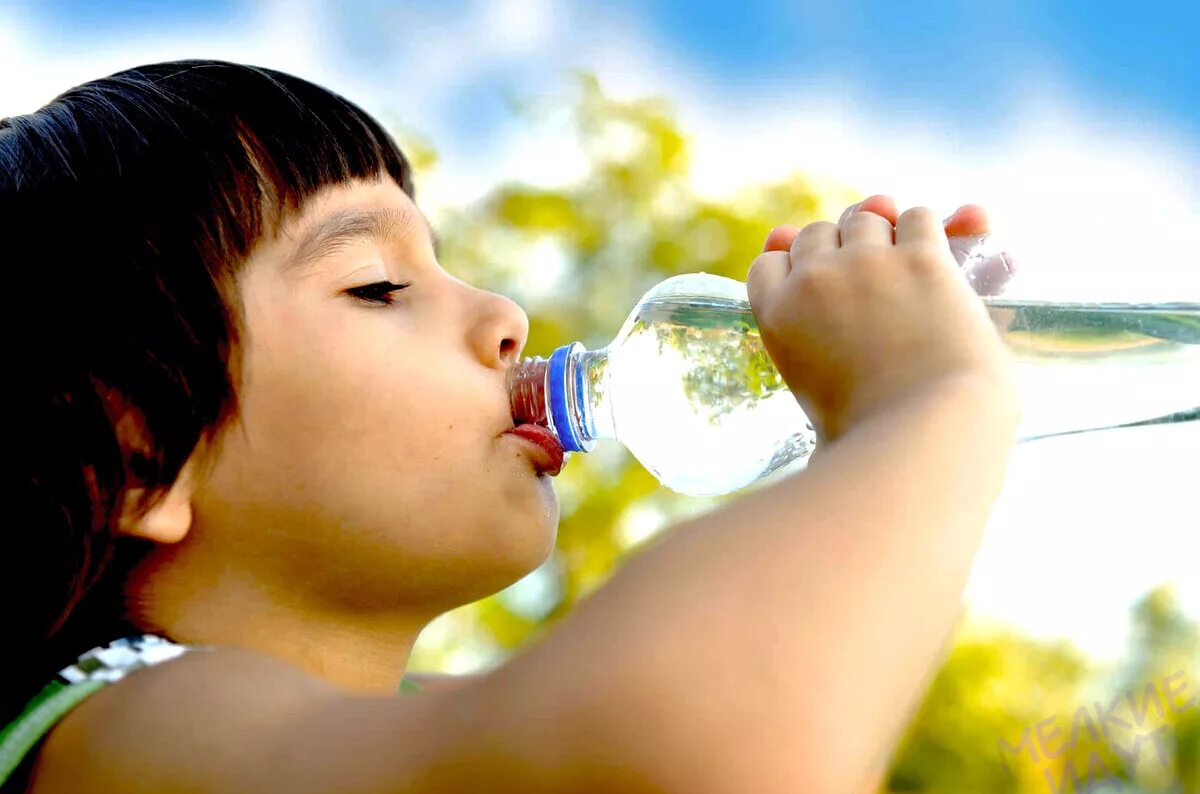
{"points": [[919, 215], [815, 229], [810, 236], [864, 220]]}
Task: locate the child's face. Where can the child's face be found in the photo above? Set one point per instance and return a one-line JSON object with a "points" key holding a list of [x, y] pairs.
{"points": [[368, 468]]}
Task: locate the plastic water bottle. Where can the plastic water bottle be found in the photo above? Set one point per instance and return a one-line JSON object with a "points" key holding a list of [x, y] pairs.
{"points": [[689, 389]]}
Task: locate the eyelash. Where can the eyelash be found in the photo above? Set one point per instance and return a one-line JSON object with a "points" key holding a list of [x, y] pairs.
{"points": [[377, 294]]}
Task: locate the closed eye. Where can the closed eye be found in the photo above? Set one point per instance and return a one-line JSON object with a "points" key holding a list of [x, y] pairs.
{"points": [[377, 294]]}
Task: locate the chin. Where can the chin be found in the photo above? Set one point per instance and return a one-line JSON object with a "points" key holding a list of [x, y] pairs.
{"points": [[532, 553], [521, 553]]}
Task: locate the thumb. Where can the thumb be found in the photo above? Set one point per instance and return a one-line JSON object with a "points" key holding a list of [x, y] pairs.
{"points": [[766, 276]]}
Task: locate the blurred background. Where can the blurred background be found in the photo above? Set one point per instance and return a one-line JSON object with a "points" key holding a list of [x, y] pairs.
{"points": [[573, 154]]}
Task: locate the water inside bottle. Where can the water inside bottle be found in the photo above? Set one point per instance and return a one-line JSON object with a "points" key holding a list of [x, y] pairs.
{"points": [[1094, 365], [697, 400]]}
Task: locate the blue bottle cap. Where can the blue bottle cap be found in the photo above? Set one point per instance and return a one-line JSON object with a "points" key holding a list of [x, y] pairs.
{"points": [[559, 414]]}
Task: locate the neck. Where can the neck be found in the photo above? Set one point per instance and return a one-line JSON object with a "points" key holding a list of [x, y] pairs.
{"points": [[221, 605]]}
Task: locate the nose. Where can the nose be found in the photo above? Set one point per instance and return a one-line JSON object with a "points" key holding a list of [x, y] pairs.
{"points": [[499, 332]]}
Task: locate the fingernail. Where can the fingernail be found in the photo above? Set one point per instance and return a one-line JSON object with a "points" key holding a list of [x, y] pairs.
{"points": [[767, 239]]}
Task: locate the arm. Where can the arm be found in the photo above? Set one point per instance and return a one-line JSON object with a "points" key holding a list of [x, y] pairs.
{"points": [[781, 643], [775, 645]]}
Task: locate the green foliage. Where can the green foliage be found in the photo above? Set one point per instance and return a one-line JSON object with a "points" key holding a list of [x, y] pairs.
{"points": [[992, 688], [578, 258], [1009, 714]]}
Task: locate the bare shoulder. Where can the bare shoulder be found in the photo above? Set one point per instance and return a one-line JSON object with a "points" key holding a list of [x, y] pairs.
{"points": [[231, 721], [210, 720], [228, 721]]}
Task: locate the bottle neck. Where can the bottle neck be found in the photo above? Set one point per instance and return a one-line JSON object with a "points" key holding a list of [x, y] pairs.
{"points": [[527, 393], [567, 393], [592, 374]]}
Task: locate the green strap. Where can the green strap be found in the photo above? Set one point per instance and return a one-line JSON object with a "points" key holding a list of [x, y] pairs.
{"points": [[408, 685], [39, 716]]}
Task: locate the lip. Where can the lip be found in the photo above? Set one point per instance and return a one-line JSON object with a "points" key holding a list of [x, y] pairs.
{"points": [[548, 454]]}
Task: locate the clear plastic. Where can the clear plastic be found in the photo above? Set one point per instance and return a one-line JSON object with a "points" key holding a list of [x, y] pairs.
{"points": [[687, 386]]}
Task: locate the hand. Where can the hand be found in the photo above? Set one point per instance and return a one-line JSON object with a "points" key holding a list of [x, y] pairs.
{"points": [[859, 315], [964, 228]]}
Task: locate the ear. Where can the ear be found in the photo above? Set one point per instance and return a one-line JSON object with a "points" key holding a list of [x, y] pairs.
{"points": [[169, 520]]}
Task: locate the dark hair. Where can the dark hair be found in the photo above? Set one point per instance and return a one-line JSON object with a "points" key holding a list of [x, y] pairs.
{"points": [[128, 205]]}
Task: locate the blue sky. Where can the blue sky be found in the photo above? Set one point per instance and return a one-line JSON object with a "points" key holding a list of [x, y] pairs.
{"points": [[961, 61]]}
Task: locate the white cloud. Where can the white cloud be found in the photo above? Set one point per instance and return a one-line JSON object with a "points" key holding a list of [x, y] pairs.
{"points": [[518, 25], [282, 35], [1093, 213]]}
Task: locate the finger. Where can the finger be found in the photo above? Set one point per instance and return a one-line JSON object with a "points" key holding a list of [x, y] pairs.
{"points": [[816, 236], [767, 273], [919, 225], [780, 238], [881, 205], [865, 228], [967, 220]]}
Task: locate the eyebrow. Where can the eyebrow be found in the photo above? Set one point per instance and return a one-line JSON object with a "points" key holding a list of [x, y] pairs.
{"points": [[352, 225]]}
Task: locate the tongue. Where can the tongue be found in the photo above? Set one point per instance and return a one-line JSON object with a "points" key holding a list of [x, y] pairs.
{"points": [[553, 462]]}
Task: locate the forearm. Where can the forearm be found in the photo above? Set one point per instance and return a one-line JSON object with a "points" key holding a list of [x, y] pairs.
{"points": [[779, 643]]}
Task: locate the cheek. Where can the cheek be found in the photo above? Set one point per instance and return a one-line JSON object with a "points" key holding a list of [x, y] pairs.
{"points": [[349, 398]]}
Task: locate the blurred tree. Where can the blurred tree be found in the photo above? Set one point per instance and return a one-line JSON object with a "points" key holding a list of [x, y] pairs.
{"points": [[1161, 687], [1008, 714], [981, 712], [577, 258]]}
